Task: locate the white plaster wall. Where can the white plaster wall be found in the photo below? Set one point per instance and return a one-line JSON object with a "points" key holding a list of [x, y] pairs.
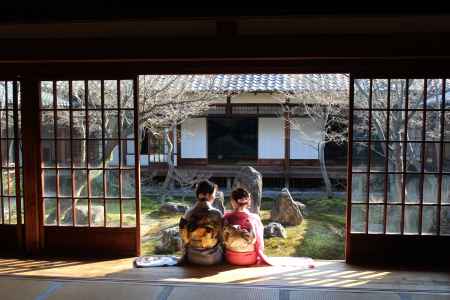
{"points": [[271, 138], [194, 138], [263, 98], [304, 139]]}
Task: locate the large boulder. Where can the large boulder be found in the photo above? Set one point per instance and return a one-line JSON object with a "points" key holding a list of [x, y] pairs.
{"points": [[274, 229], [170, 241], [285, 210], [251, 180], [219, 201], [171, 208]]}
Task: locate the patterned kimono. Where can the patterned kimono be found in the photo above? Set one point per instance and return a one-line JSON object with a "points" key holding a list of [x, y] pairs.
{"points": [[201, 233], [244, 238]]}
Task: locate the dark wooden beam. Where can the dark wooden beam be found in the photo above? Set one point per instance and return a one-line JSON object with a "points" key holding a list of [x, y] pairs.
{"points": [[226, 28], [46, 12], [87, 242], [376, 67], [355, 46], [9, 239], [400, 250]]}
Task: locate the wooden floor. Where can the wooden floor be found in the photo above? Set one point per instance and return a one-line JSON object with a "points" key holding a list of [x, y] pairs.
{"points": [[327, 274], [23, 289]]}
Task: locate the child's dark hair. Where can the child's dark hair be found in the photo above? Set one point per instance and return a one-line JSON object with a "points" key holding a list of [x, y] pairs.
{"points": [[204, 187], [240, 193]]}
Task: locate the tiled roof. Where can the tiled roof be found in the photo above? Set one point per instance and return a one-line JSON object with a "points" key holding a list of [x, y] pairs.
{"points": [[229, 83]]}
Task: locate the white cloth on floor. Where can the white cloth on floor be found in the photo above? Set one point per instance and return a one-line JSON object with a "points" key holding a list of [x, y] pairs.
{"points": [[155, 261]]}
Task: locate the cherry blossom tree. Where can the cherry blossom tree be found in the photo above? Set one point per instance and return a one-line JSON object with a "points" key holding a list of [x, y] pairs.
{"points": [[318, 107]]}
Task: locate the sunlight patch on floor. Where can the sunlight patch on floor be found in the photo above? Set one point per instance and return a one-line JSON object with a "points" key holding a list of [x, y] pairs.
{"points": [[63, 268]]}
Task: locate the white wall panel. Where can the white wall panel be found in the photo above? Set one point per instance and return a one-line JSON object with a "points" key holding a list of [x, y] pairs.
{"points": [[194, 138], [271, 138]]}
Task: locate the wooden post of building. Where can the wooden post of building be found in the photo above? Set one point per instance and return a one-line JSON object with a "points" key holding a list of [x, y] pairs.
{"points": [[228, 109], [33, 207], [137, 164], [287, 145], [178, 138]]}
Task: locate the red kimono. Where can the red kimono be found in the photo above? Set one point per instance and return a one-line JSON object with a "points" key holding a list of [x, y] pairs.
{"points": [[244, 238]]}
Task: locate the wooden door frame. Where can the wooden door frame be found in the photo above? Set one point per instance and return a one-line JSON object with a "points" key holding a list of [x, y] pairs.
{"points": [[429, 67], [30, 90], [68, 241], [419, 250], [12, 235]]}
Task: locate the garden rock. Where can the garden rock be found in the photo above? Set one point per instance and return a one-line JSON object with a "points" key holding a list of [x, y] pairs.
{"points": [[285, 210], [300, 205], [302, 208], [251, 180], [274, 229], [170, 241], [219, 201], [173, 208], [81, 215]]}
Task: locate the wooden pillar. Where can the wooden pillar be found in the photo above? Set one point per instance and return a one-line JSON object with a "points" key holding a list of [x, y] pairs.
{"points": [[33, 207], [137, 163], [178, 138], [228, 108], [287, 147]]}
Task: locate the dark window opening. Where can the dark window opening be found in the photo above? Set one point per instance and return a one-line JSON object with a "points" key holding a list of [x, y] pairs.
{"points": [[220, 181], [273, 182], [305, 183], [153, 146], [152, 143], [232, 139]]}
